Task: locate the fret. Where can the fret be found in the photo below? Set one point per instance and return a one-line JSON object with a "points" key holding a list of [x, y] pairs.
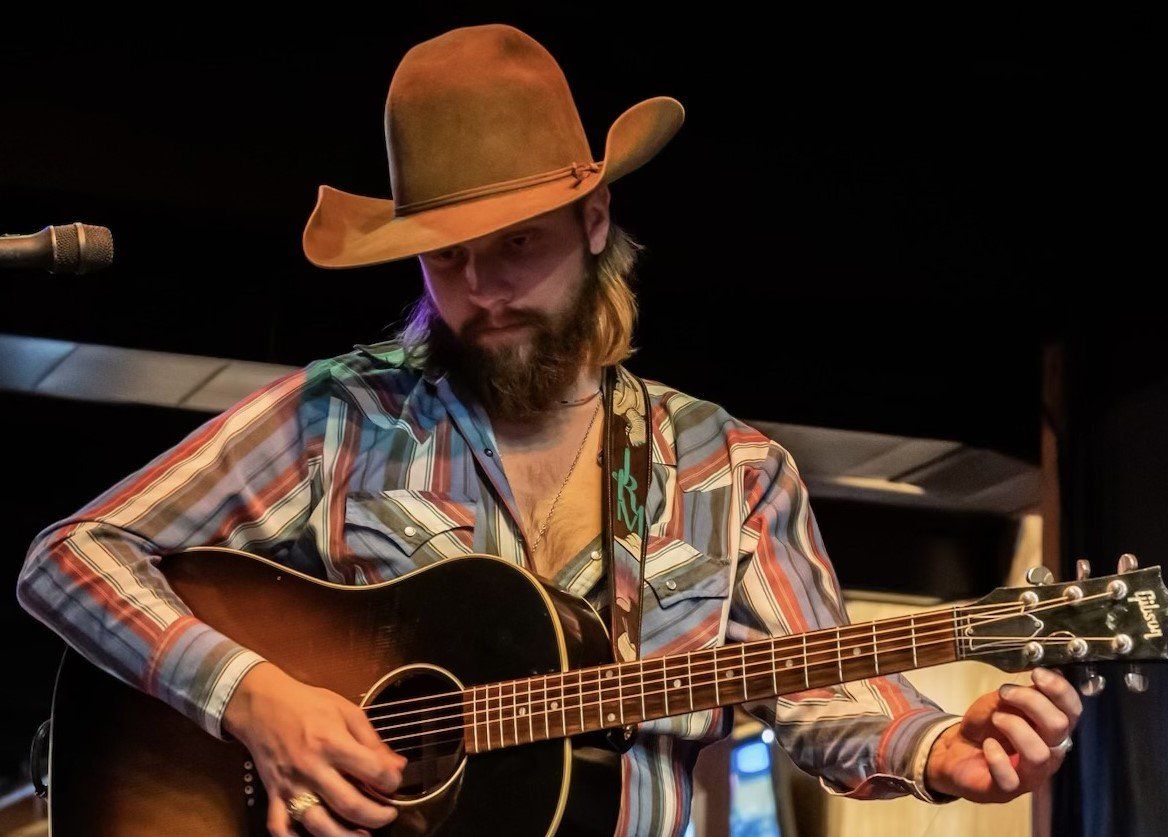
{"points": [[555, 702], [839, 655], [875, 652], [474, 714], [912, 626], [547, 733], [515, 709], [599, 701], [742, 649], [487, 714], [579, 699], [620, 694], [717, 696], [774, 668], [665, 684], [502, 736], [689, 676], [806, 669], [530, 720], [957, 634], [641, 667]]}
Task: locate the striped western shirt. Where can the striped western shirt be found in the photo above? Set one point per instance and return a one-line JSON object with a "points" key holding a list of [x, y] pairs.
{"points": [[357, 469]]}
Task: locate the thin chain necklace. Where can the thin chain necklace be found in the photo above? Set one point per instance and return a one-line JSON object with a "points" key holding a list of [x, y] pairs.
{"points": [[555, 501]]}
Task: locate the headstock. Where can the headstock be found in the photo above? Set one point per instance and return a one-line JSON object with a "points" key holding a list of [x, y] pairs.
{"points": [[1117, 617]]}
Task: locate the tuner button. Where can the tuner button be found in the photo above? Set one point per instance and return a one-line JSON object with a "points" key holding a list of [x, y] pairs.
{"points": [[1082, 569], [1135, 680], [1092, 684], [1039, 575], [1128, 562]]}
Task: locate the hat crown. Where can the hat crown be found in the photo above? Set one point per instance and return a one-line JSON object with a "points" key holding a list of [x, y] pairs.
{"points": [[478, 106]]}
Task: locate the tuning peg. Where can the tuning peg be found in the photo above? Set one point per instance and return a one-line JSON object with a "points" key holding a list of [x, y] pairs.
{"points": [[1135, 680], [1039, 576], [1082, 569], [1128, 562], [1092, 682]]}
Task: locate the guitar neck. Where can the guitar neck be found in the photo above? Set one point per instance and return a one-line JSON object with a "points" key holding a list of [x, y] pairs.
{"points": [[504, 714]]}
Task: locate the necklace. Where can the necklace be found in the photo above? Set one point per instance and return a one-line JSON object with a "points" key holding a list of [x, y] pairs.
{"points": [[580, 401], [555, 501]]}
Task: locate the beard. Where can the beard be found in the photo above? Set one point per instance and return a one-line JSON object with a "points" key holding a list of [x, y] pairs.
{"points": [[520, 380]]}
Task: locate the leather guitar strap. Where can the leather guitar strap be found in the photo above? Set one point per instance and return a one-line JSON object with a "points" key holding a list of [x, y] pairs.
{"points": [[627, 469]]}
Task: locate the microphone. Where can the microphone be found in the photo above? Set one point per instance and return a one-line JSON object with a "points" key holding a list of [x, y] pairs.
{"points": [[71, 248]]}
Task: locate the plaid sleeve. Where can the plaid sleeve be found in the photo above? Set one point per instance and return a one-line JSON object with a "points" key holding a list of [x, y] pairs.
{"points": [[867, 739], [241, 480]]}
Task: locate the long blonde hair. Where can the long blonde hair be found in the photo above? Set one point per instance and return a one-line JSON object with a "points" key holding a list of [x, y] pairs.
{"points": [[616, 309]]}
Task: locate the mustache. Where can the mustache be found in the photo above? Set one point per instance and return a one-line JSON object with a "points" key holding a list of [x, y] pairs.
{"points": [[481, 322]]}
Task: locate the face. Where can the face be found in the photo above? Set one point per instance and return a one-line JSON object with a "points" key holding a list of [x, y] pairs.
{"points": [[492, 291], [515, 306]]}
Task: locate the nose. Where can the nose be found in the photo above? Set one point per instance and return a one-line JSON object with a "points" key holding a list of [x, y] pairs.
{"points": [[485, 284]]}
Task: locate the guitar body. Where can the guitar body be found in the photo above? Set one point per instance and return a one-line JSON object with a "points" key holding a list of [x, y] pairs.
{"points": [[123, 763]]}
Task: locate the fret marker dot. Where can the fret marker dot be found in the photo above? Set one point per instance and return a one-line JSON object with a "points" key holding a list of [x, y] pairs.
{"points": [[790, 663], [555, 704], [608, 673], [677, 684], [729, 674], [855, 652], [611, 717], [522, 711]]}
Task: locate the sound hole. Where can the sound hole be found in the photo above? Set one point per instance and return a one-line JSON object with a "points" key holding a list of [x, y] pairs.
{"points": [[418, 713]]}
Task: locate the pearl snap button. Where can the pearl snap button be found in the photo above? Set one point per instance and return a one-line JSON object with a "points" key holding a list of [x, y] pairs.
{"points": [[595, 555], [671, 584], [410, 531]]}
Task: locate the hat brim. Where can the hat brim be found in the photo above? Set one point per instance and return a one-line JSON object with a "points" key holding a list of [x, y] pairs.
{"points": [[347, 230]]}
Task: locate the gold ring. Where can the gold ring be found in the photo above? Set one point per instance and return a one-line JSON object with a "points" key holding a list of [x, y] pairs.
{"points": [[299, 804]]}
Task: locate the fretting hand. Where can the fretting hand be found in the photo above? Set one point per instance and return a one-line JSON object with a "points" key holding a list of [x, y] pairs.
{"points": [[1007, 744]]}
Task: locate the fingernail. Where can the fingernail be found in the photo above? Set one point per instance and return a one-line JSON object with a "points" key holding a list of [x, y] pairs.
{"points": [[1005, 689], [1041, 675]]}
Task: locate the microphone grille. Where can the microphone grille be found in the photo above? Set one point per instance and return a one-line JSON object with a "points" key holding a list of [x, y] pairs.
{"points": [[81, 248]]}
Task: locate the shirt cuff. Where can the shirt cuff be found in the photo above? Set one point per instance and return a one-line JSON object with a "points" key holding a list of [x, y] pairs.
{"points": [[921, 761], [196, 669]]}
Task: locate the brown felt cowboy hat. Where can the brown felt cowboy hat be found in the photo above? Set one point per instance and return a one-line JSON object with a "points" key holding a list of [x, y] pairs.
{"points": [[482, 132]]}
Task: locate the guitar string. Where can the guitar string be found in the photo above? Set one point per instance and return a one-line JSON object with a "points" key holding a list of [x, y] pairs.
{"points": [[862, 630], [733, 681], [573, 709], [944, 613], [829, 646], [501, 719], [661, 674]]}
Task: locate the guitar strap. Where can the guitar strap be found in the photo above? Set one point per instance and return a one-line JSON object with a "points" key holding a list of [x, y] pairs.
{"points": [[626, 463]]}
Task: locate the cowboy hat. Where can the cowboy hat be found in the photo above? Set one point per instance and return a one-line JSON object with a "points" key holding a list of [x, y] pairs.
{"points": [[482, 132]]}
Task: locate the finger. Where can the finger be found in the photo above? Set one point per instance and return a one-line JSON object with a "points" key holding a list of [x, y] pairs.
{"points": [[320, 822], [379, 769], [1052, 723], [1033, 752], [279, 823], [359, 724], [1003, 773], [341, 797], [1060, 691]]}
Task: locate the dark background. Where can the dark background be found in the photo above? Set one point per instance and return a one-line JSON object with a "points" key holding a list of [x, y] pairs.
{"points": [[871, 223]]}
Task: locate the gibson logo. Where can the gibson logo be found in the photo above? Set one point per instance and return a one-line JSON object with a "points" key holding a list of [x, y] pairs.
{"points": [[1146, 599]]}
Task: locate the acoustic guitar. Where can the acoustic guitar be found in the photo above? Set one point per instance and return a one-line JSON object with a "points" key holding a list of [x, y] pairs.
{"points": [[501, 691]]}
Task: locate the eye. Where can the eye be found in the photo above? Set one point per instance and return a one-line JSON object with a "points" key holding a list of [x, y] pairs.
{"points": [[444, 256], [520, 241]]}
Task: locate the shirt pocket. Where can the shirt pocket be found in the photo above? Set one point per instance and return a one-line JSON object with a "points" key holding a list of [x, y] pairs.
{"points": [[402, 530], [687, 594]]}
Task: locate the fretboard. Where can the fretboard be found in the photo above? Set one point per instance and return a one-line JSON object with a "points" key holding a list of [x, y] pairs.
{"points": [[585, 700]]}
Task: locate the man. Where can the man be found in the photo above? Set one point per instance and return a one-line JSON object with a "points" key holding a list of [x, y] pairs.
{"points": [[477, 430]]}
